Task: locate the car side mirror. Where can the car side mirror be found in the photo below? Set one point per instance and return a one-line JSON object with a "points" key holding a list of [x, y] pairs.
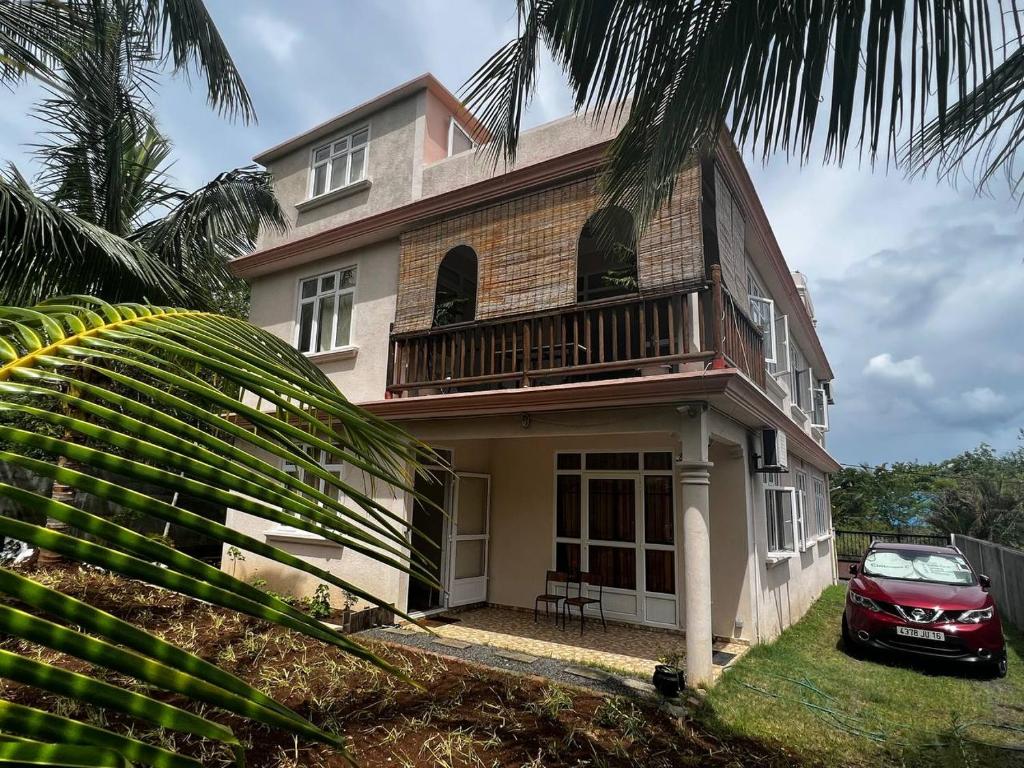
{"points": [[854, 569], [985, 581]]}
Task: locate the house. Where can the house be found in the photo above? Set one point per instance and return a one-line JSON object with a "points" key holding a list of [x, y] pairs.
{"points": [[648, 406]]}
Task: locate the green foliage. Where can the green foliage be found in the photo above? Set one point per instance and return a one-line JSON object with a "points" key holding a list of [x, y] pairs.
{"points": [[319, 606], [916, 83], [130, 404], [979, 493], [103, 217], [882, 498]]}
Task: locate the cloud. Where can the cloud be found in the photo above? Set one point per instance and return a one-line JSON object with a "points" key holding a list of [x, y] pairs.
{"points": [[278, 37], [981, 408], [909, 371]]}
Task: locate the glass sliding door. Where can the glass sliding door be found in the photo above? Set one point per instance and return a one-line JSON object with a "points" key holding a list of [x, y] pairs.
{"points": [[615, 517]]}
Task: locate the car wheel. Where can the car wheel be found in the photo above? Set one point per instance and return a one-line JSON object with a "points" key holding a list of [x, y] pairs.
{"points": [[1000, 668], [848, 642]]}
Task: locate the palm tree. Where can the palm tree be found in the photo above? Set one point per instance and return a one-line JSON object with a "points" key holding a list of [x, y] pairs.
{"points": [[35, 35], [920, 84], [160, 398], [104, 218]]}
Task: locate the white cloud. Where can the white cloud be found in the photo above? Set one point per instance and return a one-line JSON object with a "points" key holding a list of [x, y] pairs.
{"points": [[276, 36], [909, 371]]}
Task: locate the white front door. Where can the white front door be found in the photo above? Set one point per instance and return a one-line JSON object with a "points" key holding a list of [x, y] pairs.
{"points": [[470, 534]]}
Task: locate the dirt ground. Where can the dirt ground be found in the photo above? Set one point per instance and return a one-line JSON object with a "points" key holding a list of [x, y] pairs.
{"points": [[467, 716]]}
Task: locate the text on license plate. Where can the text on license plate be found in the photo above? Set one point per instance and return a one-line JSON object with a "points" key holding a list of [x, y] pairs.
{"points": [[920, 634]]}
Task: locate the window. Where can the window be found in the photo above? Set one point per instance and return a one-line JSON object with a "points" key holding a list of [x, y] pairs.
{"points": [[615, 516], [458, 140], [821, 509], [329, 463], [606, 256], [819, 405], [325, 311], [340, 163], [762, 313], [455, 296], [806, 527], [800, 380], [779, 511]]}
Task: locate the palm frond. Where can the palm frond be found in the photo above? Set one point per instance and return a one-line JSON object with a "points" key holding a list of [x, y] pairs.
{"points": [[979, 136], [184, 33], [32, 35], [45, 249], [207, 228], [170, 399], [772, 71]]}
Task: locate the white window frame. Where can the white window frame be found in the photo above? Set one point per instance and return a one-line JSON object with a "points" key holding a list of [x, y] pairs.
{"points": [[801, 522], [816, 394], [328, 462], [773, 487], [453, 125], [768, 328], [334, 153], [821, 509], [782, 342], [640, 544], [320, 295]]}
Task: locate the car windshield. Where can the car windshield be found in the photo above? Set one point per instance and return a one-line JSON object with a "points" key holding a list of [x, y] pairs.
{"points": [[934, 567]]}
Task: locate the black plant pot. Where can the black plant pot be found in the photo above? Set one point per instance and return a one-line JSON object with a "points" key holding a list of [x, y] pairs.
{"points": [[668, 680]]}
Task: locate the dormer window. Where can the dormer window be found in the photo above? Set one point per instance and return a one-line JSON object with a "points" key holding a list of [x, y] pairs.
{"points": [[458, 140], [340, 163]]}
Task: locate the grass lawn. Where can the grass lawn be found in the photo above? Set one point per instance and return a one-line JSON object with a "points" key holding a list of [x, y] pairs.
{"points": [[826, 707]]}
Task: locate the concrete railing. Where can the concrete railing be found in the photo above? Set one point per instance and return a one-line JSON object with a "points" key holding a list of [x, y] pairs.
{"points": [[1005, 567]]}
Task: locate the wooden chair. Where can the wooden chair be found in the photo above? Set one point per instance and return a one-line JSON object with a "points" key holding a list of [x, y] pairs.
{"points": [[549, 596], [581, 602]]}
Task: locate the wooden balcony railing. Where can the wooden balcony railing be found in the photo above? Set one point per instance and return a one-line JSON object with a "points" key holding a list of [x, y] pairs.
{"points": [[627, 336]]}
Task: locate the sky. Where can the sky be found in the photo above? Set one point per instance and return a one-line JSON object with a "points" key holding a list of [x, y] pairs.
{"points": [[918, 286]]}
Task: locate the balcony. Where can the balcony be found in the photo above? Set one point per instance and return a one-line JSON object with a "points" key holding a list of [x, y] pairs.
{"points": [[617, 338]]}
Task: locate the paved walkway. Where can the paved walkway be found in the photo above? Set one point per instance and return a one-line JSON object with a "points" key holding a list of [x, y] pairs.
{"points": [[631, 650]]}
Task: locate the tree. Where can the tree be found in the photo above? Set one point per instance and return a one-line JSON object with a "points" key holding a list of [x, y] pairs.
{"points": [[167, 397], [981, 494], [37, 35], [104, 218], [882, 498], [920, 84]]}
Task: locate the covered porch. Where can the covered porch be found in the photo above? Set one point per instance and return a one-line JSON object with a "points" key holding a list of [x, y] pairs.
{"points": [[652, 502]]}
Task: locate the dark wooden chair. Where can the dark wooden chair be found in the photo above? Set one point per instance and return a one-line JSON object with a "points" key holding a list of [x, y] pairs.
{"points": [[581, 601], [549, 596]]}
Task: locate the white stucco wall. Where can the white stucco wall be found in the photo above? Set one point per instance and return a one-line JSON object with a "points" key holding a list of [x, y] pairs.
{"points": [[786, 589], [363, 376]]}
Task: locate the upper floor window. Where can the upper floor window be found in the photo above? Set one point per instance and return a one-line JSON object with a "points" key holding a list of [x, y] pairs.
{"points": [[455, 296], [606, 255], [458, 140], [340, 163], [325, 311]]}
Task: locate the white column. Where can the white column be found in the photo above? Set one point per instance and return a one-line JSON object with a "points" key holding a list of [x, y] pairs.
{"points": [[696, 481]]}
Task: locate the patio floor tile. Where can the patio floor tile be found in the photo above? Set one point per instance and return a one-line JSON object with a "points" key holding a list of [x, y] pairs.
{"points": [[632, 650]]}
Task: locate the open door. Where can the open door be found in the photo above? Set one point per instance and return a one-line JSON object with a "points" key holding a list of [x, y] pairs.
{"points": [[469, 538]]}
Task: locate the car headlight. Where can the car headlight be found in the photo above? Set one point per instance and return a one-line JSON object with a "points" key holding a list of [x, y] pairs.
{"points": [[977, 615], [863, 601]]}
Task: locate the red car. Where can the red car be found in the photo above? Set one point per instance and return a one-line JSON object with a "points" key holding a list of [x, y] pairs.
{"points": [[926, 601]]}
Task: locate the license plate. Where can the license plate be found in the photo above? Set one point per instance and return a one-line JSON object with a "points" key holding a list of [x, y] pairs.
{"points": [[920, 634]]}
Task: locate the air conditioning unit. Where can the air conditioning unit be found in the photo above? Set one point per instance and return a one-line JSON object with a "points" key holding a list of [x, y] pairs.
{"points": [[773, 451]]}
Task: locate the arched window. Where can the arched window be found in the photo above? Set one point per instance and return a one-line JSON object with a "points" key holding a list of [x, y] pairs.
{"points": [[455, 298], [606, 255]]}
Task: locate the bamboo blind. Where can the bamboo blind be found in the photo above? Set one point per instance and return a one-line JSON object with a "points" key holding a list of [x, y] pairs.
{"points": [[526, 250]]}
